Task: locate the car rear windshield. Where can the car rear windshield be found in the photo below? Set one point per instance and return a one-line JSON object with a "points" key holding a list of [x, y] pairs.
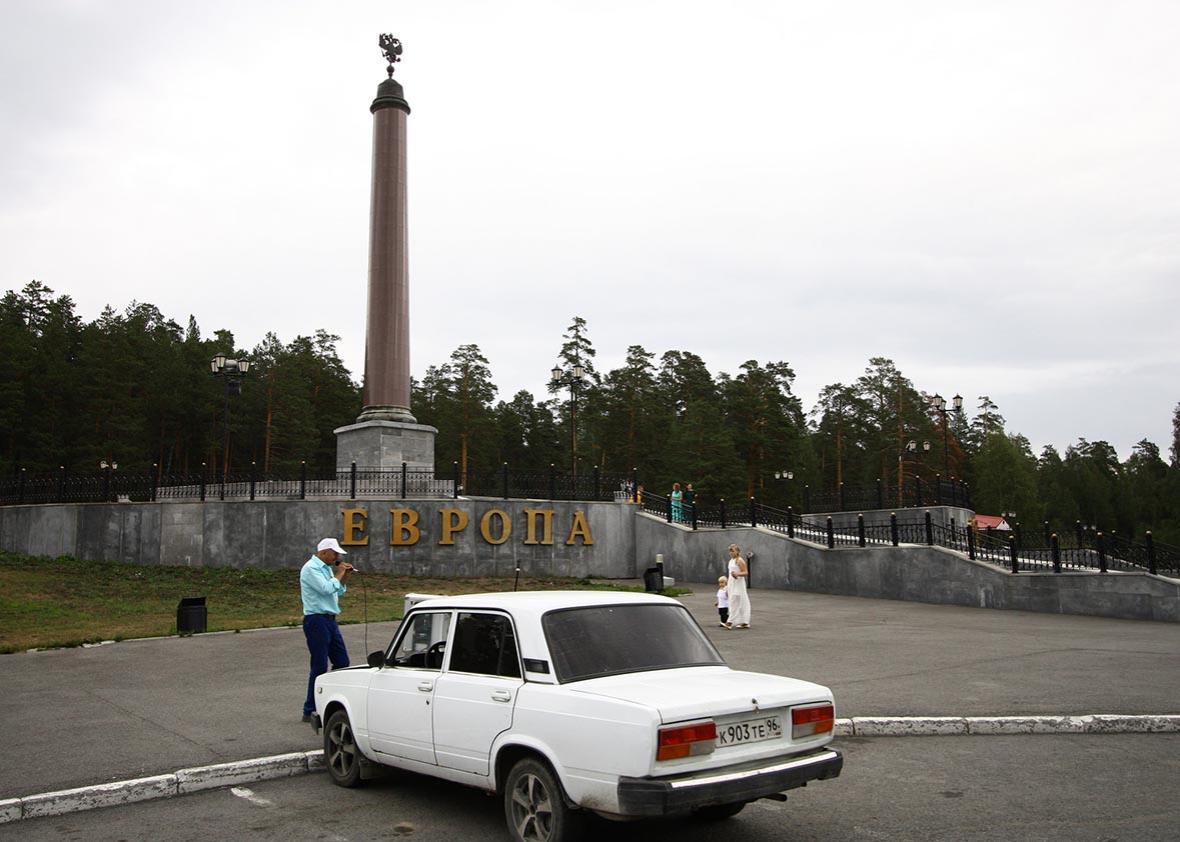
{"points": [[611, 639]]}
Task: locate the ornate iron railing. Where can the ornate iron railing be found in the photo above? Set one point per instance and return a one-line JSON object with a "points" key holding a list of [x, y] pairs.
{"points": [[115, 486], [1089, 551]]}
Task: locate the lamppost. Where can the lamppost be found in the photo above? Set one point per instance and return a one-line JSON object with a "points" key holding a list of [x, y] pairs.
{"points": [[912, 448], [572, 377], [788, 476], [231, 371], [938, 403], [108, 470]]}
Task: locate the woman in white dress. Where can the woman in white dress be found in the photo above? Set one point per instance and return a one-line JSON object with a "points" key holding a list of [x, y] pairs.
{"points": [[739, 600]]}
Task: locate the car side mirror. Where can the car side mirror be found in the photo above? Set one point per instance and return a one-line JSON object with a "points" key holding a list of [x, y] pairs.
{"points": [[376, 659]]}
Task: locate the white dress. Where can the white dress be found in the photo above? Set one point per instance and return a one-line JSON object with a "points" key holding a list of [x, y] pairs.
{"points": [[739, 602]]}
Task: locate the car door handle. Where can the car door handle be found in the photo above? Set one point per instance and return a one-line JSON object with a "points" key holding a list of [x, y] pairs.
{"points": [[501, 696], [425, 686]]}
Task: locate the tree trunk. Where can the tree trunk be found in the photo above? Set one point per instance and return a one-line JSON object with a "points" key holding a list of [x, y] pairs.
{"points": [[269, 426]]}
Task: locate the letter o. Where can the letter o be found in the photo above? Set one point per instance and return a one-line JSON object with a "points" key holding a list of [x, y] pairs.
{"points": [[485, 526]]}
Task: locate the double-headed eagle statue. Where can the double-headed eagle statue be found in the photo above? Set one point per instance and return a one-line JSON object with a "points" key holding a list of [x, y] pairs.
{"points": [[392, 49]]}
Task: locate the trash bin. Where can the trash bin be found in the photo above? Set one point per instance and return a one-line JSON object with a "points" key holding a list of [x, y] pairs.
{"points": [[192, 617], [653, 579]]}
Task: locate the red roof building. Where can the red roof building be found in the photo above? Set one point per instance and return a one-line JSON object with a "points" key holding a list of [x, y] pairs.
{"points": [[983, 522]]}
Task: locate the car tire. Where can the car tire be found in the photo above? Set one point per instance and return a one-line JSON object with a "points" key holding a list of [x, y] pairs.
{"points": [[341, 755], [717, 812], [535, 806]]}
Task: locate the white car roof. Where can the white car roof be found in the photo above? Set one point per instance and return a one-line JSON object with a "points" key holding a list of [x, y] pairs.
{"points": [[535, 603], [527, 608]]}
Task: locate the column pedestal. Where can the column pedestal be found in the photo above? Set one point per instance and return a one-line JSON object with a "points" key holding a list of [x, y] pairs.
{"points": [[384, 445]]}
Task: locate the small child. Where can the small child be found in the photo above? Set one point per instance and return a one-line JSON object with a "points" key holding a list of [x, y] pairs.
{"points": [[723, 602]]}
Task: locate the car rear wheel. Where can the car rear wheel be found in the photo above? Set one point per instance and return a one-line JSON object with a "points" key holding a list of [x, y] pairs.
{"points": [[535, 807], [341, 755], [717, 812]]}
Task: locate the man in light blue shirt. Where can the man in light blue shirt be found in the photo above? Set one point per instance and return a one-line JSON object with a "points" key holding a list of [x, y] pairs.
{"points": [[321, 581]]}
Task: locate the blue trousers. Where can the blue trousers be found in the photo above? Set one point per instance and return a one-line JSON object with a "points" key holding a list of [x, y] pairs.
{"points": [[324, 642]]}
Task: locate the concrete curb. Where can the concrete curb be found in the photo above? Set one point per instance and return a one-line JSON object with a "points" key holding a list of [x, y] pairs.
{"points": [[161, 786], [298, 763], [942, 726]]}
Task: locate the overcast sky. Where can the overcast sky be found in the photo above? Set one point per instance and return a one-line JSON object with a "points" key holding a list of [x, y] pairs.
{"points": [[988, 193]]}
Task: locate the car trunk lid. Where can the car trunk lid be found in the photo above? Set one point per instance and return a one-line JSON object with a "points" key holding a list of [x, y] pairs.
{"points": [[684, 694]]}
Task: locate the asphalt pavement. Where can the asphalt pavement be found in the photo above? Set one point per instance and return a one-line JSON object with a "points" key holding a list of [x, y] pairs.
{"points": [[961, 789], [77, 717]]}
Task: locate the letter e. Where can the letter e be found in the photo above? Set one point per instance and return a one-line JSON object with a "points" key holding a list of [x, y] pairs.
{"points": [[354, 528]]}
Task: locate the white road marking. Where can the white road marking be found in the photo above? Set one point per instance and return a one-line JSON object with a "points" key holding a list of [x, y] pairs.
{"points": [[248, 794]]}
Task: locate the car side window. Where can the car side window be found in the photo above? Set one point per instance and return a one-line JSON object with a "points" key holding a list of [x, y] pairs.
{"points": [[485, 644], [423, 642]]}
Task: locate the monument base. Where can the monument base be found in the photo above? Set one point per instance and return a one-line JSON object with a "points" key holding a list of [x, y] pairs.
{"points": [[397, 414], [384, 445]]}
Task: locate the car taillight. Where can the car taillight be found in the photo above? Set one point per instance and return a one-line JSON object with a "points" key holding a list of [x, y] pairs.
{"points": [[687, 740], [812, 720]]}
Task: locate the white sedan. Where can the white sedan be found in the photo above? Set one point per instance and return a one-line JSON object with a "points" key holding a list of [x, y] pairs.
{"points": [[574, 702]]}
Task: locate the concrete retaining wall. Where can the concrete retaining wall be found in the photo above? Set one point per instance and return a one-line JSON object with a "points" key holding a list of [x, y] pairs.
{"points": [[913, 573], [282, 533], [622, 543]]}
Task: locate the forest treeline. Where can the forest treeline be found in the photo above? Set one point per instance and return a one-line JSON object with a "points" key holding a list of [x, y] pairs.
{"points": [[135, 388]]}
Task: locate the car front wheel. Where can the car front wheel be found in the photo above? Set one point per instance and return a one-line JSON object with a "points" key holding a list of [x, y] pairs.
{"points": [[341, 755], [535, 806]]}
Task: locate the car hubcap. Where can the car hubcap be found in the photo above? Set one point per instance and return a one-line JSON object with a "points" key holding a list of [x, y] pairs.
{"points": [[341, 750], [532, 812]]}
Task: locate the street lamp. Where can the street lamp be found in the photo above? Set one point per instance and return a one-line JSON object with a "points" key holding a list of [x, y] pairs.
{"points": [[572, 377], [108, 470], [788, 476], [938, 404], [231, 371], [911, 447]]}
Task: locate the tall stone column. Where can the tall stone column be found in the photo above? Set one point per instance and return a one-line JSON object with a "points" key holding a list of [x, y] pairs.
{"points": [[386, 433], [387, 333]]}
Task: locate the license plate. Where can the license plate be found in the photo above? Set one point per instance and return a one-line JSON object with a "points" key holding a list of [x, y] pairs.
{"points": [[749, 731]]}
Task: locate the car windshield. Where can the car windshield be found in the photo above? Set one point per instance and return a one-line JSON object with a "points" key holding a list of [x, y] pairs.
{"points": [[610, 639]]}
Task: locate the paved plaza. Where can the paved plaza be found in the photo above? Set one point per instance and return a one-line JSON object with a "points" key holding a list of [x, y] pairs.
{"points": [[77, 717]]}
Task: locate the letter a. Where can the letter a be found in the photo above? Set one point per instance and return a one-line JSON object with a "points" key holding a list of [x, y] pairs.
{"points": [[580, 527]]}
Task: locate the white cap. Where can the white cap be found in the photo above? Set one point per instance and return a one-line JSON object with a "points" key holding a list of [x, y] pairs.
{"points": [[330, 544]]}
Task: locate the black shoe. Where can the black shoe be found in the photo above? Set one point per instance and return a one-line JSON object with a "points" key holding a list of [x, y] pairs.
{"points": [[307, 717]]}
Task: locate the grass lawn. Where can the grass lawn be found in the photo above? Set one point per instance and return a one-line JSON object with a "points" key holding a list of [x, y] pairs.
{"points": [[63, 602]]}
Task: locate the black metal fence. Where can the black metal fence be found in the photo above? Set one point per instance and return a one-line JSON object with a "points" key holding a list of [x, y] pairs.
{"points": [[113, 486], [916, 492], [548, 484], [1085, 550], [1017, 550], [478, 481]]}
